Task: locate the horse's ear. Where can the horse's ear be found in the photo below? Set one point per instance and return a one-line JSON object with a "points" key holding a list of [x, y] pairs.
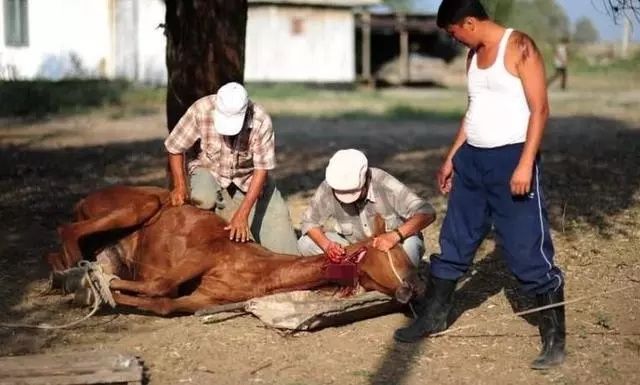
{"points": [[379, 226]]}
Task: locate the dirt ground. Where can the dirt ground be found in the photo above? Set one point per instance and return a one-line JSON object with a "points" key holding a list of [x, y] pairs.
{"points": [[592, 182]]}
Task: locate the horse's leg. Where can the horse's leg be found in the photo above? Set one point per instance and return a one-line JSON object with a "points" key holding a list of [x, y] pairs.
{"points": [[56, 261], [192, 265], [128, 216], [165, 305]]}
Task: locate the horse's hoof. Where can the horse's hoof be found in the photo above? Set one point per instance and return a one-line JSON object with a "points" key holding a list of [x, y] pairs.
{"points": [[84, 297], [67, 281]]}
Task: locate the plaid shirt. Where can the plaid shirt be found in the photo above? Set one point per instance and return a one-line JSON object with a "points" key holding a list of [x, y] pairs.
{"points": [[386, 196], [254, 147]]}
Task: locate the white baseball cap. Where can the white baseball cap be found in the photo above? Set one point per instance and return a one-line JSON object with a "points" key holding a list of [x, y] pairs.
{"points": [[346, 174], [230, 109]]}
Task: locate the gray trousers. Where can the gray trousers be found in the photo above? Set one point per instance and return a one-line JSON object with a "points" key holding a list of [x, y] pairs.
{"points": [[413, 246], [269, 219]]}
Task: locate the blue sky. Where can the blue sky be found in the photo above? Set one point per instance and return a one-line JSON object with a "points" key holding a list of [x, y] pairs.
{"points": [[593, 9]]}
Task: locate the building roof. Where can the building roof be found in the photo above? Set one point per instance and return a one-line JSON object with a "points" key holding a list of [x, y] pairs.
{"points": [[319, 3], [390, 22]]}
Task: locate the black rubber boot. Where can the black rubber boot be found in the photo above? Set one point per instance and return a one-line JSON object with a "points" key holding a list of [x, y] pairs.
{"points": [[433, 314], [552, 330]]}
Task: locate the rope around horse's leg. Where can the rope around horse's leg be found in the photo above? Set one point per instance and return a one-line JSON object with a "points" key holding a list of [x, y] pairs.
{"points": [[393, 267]]}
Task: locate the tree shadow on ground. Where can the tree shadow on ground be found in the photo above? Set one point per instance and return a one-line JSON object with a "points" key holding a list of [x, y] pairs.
{"points": [[488, 277], [38, 189], [590, 166], [592, 172]]}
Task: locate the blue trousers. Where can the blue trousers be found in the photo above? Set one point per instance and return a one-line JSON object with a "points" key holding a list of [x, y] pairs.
{"points": [[481, 196]]}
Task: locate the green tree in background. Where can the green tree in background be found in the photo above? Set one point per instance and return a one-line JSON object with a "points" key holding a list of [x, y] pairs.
{"points": [[499, 10], [544, 20], [585, 32]]}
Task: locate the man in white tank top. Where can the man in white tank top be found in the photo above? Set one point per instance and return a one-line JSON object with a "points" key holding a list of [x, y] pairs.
{"points": [[492, 174]]}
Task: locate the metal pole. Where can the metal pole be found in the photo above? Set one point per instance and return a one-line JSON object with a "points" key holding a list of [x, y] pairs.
{"points": [[366, 47]]}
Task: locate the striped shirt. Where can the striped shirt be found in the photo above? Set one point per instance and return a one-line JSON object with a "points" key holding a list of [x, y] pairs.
{"points": [[386, 196], [254, 146]]}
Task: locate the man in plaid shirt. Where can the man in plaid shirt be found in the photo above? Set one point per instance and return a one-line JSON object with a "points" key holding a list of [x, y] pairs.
{"points": [[230, 174]]}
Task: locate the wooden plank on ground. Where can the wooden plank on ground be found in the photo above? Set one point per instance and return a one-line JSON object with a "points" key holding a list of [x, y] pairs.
{"points": [[98, 367]]}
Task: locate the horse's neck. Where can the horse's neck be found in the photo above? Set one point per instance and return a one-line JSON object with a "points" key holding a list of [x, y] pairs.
{"points": [[288, 272], [297, 273]]}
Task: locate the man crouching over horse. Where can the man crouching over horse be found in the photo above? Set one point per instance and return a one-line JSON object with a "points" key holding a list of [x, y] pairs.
{"points": [[230, 175], [353, 194]]}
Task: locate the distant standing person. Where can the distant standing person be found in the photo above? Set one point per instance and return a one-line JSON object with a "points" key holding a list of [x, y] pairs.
{"points": [[493, 177], [560, 61]]}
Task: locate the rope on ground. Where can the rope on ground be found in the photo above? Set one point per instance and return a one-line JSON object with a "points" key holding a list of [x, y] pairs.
{"points": [[534, 310], [98, 283], [97, 301]]}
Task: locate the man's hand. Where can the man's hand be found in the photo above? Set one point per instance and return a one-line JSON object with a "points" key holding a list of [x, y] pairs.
{"points": [[239, 227], [386, 241], [178, 195], [521, 180], [444, 176], [334, 251]]}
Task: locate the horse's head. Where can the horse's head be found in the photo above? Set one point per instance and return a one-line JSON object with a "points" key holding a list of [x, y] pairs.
{"points": [[391, 272]]}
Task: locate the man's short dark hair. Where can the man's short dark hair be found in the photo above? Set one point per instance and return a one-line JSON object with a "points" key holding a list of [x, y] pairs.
{"points": [[454, 11]]}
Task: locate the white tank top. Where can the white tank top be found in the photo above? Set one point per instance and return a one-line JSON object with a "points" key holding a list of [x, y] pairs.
{"points": [[498, 113]]}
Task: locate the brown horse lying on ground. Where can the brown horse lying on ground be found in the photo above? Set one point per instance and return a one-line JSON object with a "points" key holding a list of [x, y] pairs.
{"points": [[180, 259]]}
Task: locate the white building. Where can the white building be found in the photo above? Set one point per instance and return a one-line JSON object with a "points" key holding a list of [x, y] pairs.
{"points": [[287, 40]]}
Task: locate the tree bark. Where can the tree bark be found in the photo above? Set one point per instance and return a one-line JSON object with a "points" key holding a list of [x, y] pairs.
{"points": [[205, 49]]}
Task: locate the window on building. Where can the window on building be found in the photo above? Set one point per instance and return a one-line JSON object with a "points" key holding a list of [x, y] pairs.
{"points": [[297, 26], [16, 27]]}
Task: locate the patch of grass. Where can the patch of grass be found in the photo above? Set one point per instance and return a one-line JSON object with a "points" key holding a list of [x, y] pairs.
{"points": [[360, 104], [126, 111], [122, 100], [398, 112], [281, 91], [582, 65], [37, 98], [362, 373], [144, 95], [603, 320], [406, 112]]}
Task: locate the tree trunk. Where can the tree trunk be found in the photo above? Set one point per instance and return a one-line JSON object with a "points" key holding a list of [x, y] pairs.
{"points": [[205, 49]]}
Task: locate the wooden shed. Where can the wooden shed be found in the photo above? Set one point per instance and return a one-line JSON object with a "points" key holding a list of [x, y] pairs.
{"points": [[399, 39], [310, 41]]}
